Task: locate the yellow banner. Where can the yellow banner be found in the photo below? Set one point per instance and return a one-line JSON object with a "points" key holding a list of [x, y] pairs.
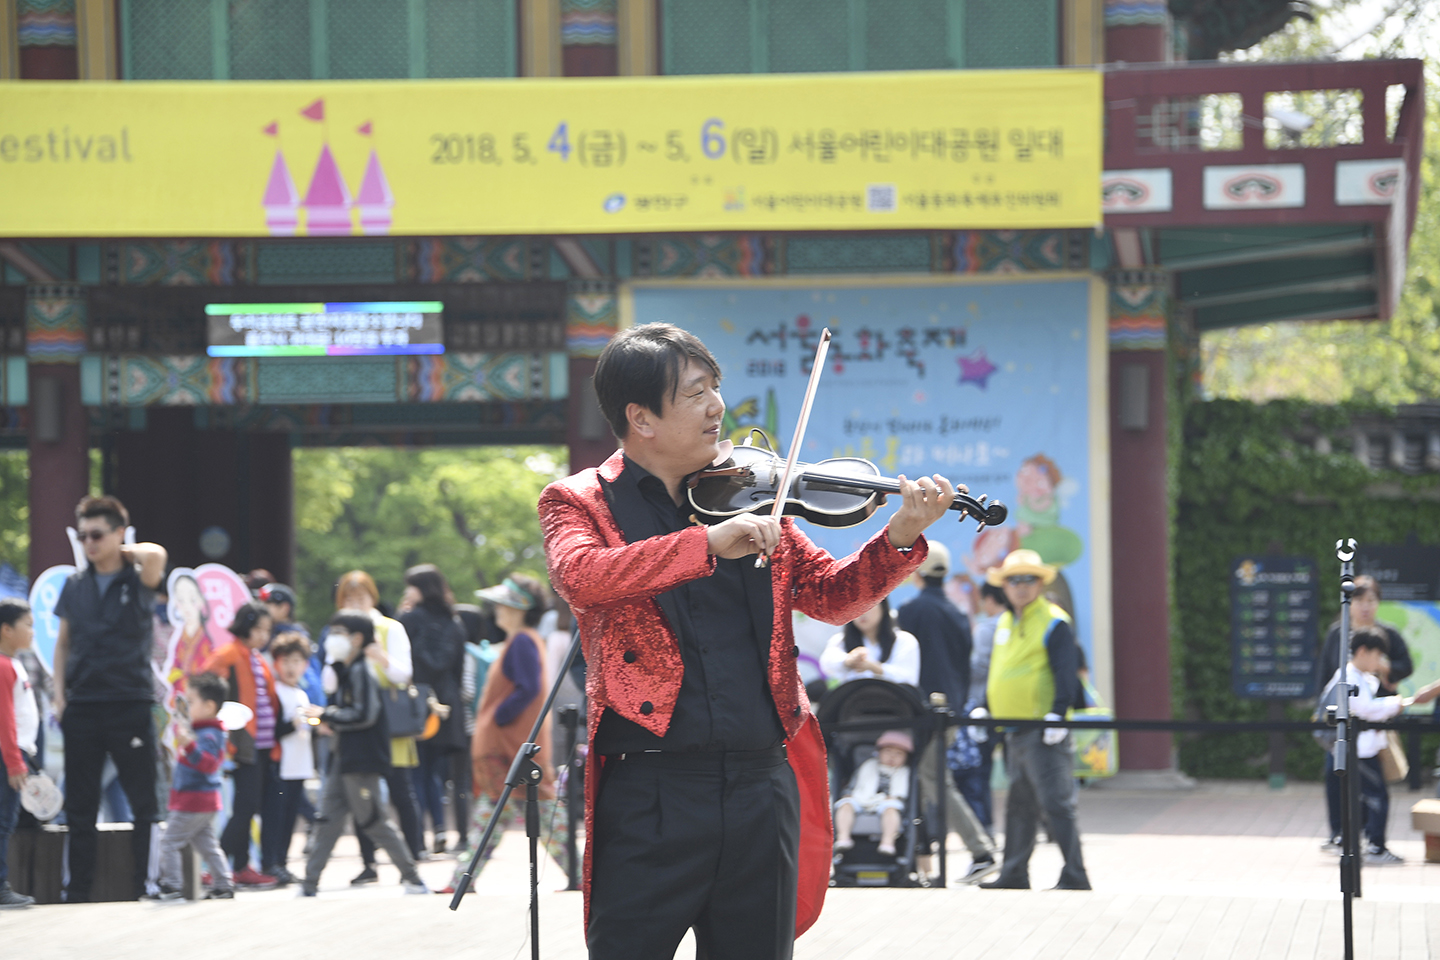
{"points": [[960, 149]]}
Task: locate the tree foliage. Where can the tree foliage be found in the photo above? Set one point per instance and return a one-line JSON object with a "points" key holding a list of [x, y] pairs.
{"points": [[470, 512], [1393, 361], [15, 509], [1250, 483]]}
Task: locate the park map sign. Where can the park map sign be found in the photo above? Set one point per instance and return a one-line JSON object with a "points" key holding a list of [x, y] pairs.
{"points": [[865, 151], [1273, 611]]}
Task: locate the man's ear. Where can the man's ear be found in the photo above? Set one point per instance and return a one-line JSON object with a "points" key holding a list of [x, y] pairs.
{"points": [[641, 419]]}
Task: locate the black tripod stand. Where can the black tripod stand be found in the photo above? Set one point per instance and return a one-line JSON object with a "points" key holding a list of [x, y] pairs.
{"points": [[524, 772], [1345, 758]]}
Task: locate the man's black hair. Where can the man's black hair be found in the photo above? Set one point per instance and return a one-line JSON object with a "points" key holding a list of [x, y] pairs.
{"points": [[208, 686], [1369, 638], [110, 508], [642, 365], [246, 618], [996, 594], [354, 621], [12, 610]]}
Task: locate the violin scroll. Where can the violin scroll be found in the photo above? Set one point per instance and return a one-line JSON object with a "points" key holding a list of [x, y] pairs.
{"points": [[990, 514]]}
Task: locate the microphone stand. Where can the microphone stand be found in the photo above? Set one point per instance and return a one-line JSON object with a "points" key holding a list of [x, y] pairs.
{"points": [[524, 772], [1346, 759]]}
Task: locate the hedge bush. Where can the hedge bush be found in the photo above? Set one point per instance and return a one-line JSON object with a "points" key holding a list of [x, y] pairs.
{"points": [[1249, 482]]}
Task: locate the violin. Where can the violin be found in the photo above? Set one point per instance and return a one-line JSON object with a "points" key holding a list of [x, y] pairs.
{"points": [[839, 492]]}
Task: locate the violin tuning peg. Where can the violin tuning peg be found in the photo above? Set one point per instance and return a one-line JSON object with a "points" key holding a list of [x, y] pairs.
{"points": [[980, 526], [983, 497]]}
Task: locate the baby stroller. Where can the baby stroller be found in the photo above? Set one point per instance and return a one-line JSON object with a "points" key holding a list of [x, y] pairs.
{"points": [[900, 707]]}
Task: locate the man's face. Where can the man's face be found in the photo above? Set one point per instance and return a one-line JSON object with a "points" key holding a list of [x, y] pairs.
{"points": [[291, 668], [1368, 660], [199, 707], [688, 430], [102, 542], [1022, 591], [279, 612], [1362, 610]]}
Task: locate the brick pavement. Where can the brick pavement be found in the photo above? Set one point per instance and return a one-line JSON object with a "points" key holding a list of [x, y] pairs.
{"points": [[1225, 872]]}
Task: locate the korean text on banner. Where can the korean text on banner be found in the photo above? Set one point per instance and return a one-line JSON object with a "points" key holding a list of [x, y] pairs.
{"points": [[953, 149]]}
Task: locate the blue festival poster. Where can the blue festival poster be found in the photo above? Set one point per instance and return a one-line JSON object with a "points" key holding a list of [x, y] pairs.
{"points": [[988, 383]]}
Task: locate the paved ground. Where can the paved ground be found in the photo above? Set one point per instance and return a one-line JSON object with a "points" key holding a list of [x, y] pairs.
{"points": [[1224, 871]]}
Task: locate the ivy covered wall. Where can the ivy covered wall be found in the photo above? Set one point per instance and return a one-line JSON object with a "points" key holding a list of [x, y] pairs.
{"points": [[1249, 480]]}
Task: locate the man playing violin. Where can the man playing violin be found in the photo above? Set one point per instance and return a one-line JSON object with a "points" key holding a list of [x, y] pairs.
{"points": [[707, 798]]}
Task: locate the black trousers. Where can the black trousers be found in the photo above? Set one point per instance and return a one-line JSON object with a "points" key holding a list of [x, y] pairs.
{"points": [[252, 782], [407, 811], [703, 841], [125, 731], [278, 813]]}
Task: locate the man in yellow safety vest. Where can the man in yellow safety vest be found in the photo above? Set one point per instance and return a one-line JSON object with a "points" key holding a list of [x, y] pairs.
{"points": [[1034, 675]]}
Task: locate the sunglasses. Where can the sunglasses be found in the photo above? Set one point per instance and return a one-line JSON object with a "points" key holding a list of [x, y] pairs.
{"points": [[94, 535], [1021, 580]]}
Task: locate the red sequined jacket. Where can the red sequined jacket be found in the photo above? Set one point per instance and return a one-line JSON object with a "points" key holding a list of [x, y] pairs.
{"points": [[633, 655]]}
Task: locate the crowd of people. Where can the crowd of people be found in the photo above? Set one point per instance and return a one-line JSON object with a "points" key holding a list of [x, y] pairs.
{"points": [[267, 716], [1018, 660], [318, 708], [278, 709]]}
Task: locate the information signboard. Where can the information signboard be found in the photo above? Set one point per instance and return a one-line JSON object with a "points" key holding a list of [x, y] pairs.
{"points": [[1408, 576], [381, 328], [1273, 613]]}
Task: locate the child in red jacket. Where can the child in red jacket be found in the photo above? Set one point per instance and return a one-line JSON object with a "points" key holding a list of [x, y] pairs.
{"points": [[195, 793], [19, 723]]}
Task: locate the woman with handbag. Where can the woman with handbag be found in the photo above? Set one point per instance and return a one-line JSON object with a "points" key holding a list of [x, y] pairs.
{"points": [[391, 655], [437, 647], [515, 688]]}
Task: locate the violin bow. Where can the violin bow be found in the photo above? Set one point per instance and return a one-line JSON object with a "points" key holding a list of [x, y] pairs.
{"points": [[783, 490]]}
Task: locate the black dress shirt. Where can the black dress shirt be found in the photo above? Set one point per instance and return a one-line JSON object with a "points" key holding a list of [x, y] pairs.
{"points": [[724, 702]]}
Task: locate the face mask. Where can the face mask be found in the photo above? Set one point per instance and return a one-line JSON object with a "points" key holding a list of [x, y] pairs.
{"points": [[337, 648]]}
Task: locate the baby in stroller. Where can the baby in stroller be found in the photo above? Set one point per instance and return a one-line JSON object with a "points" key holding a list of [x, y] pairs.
{"points": [[880, 786]]}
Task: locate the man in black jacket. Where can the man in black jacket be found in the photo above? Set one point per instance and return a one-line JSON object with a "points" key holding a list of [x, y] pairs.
{"points": [[362, 757], [105, 686], [942, 629], [944, 635]]}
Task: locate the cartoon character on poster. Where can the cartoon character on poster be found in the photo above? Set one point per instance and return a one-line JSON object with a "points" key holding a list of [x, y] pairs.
{"points": [[1041, 490], [202, 606], [44, 593]]}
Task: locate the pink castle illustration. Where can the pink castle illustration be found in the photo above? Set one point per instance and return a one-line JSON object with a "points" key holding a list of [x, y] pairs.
{"points": [[282, 200], [375, 199], [327, 200], [328, 204]]}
